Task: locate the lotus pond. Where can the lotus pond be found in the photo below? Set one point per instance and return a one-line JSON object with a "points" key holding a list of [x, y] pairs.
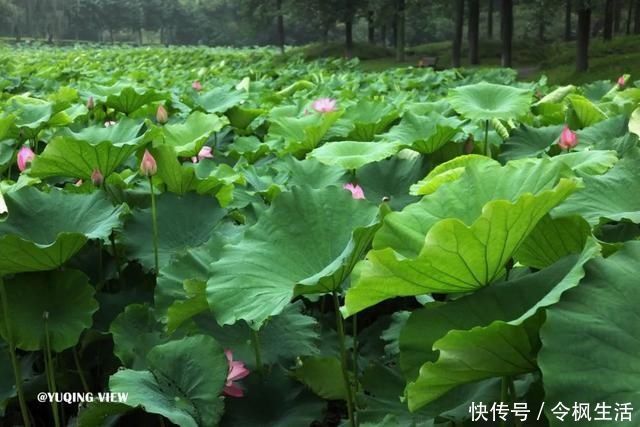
{"points": [[224, 237]]}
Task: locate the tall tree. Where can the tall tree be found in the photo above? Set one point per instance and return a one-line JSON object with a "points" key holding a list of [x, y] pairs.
{"points": [[457, 33], [567, 20], [506, 30], [629, 17], [280, 20], [473, 32], [617, 15], [542, 14], [400, 17], [636, 18], [584, 29], [371, 29], [490, 20], [607, 32]]}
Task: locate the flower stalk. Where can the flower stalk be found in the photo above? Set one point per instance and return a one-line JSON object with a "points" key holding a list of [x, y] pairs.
{"points": [[344, 361]]}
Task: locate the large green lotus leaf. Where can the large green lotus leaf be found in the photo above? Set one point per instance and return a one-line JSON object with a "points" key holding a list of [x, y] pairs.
{"points": [[135, 332], [496, 350], [486, 101], [5, 125], [464, 198], [455, 257], [607, 197], [586, 112], [31, 114], [302, 134], [310, 173], [307, 236], [424, 134], [183, 222], [588, 162], [599, 320], [78, 154], [66, 296], [366, 119], [471, 338], [241, 117], [391, 178], [273, 400], [634, 122], [447, 172], [529, 141], [353, 154], [604, 131], [323, 375], [556, 95], [43, 230], [220, 99], [7, 379], [553, 239], [187, 138], [127, 99], [184, 380]]}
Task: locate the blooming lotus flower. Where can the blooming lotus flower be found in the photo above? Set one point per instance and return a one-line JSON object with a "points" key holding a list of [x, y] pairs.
{"points": [[148, 165], [109, 123], [162, 116], [324, 105], [236, 372], [356, 190], [568, 139], [90, 103], [25, 157], [196, 85], [621, 81], [205, 153], [97, 178]]}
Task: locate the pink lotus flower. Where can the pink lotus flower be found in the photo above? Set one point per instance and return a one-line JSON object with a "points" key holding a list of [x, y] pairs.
{"points": [[205, 153], [356, 190], [236, 372], [568, 139], [25, 157], [148, 165], [109, 123], [90, 103], [97, 178], [162, 115], [196, 85], [621, 81], [324, 105]]}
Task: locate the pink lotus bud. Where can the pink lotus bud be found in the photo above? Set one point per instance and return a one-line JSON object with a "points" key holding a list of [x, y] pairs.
{"points": [[568, 139], [205, 153], [324, 105], [25, 157], [97, 178], [621, 82], [91, 103], [235, 372], [162, 116], [356, 191], [196, 85], [148, 165], [469, 146]]}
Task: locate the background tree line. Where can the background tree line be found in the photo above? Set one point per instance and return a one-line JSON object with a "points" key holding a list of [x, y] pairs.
{"points": [[391, 23]]}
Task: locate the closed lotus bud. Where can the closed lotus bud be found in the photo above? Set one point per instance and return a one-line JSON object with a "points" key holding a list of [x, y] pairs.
{"points": [[91, 103], [568, 139], [25, 157], [97, 178], [162, 116], [621, 81], [196, 85], [469, 146], [148, 165]]}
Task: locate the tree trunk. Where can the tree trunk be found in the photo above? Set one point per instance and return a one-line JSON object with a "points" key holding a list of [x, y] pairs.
{"points": [[280, 26], [111, 35], [567, 21], [607, 32], [636, 18], [541, 20], [394, 32], [629, 17], [474, 23], [371, 33], [383, 35], [582, 45], [457, 34], [140, 36], [401, 33], [348, 29], [617, 15], [490, 20], [506, 31]]}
